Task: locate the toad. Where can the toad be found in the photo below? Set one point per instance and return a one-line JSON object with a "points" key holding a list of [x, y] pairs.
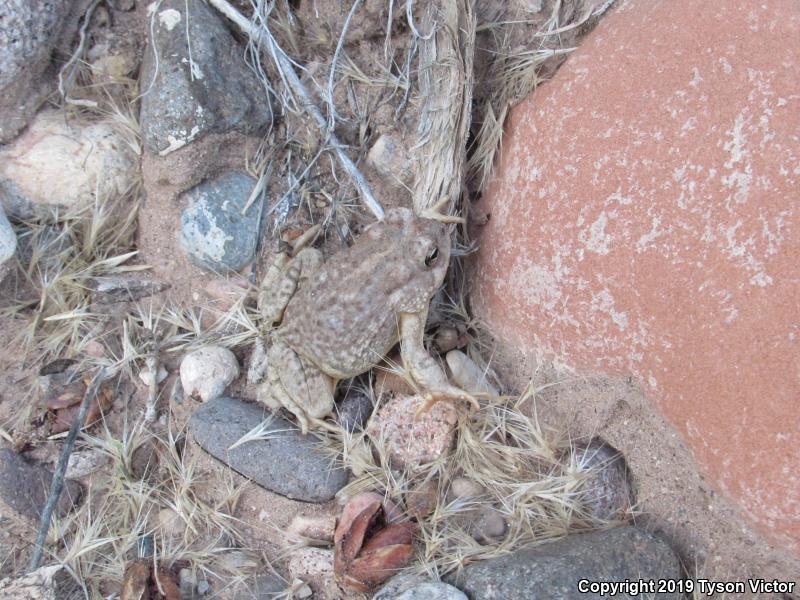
{"points": [[339, 319]]}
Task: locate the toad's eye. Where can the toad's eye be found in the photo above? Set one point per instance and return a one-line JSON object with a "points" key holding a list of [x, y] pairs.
{"points": [[431, 258]]}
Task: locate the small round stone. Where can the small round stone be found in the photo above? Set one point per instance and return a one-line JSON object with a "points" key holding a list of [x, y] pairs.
{"points": [[354, 410], [413, 439], [314, 566], [421, 500], [462, 488], [315, 528], [171, 523], [147, 377], [446, 339], [490, 526], [607, 491], [206, 372]]}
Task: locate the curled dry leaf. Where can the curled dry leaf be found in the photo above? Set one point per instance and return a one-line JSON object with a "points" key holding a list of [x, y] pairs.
{"points": [[142, 582], [367, 551], [64, 402]]}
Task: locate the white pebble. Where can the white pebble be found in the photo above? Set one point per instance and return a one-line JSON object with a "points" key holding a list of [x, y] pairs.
{"points": [[314, 566], [172, 525], [206, 372], [315, 528], [468, 375], [147, 377], [463, 488], [88, 160]]}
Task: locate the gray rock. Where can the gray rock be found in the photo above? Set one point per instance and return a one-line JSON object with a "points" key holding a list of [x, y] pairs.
{"points": [[28, 33], [553, 570], [353, 411], [189, 92], [286, 463], [25, 486], [8, 243], [411, 587], [263, 587], [607, 493], [214, 232]]}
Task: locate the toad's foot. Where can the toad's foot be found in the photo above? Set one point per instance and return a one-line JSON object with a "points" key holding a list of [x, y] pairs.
{"points": [[423, 368], [451, 394]]}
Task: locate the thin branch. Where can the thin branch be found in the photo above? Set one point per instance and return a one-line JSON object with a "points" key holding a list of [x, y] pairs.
{"points": [[151, 362], [77, 55], [284, 65], [57, 485], [334, 60]]}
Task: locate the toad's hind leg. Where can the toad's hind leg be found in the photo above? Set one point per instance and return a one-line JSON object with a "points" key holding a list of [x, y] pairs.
{"points": [[423, 368], [283, 278], [308, 391]]}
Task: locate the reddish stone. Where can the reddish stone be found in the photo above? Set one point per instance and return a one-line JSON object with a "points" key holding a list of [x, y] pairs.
{"points": [[644, 220]]}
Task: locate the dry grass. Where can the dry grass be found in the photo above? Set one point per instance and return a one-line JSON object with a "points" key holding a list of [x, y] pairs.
{"points": [[515, 69], [122, 515], [531, 475]]}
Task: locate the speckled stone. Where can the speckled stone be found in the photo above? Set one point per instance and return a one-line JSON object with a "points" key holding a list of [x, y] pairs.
{"points": [[286, 463], [354, 410], [188, 94], [413, 439], [553, 570], [608, 492], [214, 232]]}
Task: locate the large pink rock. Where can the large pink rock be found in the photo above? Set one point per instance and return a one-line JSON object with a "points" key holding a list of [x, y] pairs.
{"points": [[644, 221]]}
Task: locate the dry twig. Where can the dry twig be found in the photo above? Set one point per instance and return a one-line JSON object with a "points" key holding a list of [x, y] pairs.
{"points": [[284, 65], [57, 485]]}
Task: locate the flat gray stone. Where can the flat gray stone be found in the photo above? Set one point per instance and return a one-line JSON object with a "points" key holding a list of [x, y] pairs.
{"points": [[189, 92], [25, 486], [553, 570], [412, 587], [264, 587], [214, 232], [287, 463]]}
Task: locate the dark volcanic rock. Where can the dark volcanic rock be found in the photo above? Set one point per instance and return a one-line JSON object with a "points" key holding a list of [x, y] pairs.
{"points": [[188, 92], [553, 570], [25, 486], [287, 463]]}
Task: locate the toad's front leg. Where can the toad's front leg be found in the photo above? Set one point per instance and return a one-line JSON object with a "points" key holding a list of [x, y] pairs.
{"points": [[283, 278], [423, 368], [281, 281]]}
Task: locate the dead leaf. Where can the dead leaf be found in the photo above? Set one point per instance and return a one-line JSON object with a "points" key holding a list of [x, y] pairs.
{"points": [[367, 552], [64, 402], [141, 582], [135, 583]]}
